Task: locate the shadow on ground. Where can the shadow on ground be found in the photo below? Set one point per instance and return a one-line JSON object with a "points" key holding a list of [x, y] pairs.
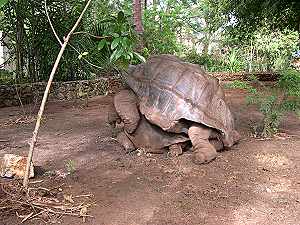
{"points": [[256, 182]]}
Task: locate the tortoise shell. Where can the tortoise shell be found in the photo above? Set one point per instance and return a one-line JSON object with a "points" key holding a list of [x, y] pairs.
{"points": [[171, 91]]}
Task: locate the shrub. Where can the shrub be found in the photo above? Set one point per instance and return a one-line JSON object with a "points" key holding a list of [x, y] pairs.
{"points": [[274, 102], [230, 63]]}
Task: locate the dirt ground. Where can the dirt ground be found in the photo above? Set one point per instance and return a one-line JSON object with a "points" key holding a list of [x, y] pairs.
{"points": [[255, 182]]}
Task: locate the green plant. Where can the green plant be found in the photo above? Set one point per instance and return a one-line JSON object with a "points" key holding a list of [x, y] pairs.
{"points": [[265, 49], [233, 62], [6, 77], [70, 166], [118, 39], [274, 102], [162, 26], [230, 63]]}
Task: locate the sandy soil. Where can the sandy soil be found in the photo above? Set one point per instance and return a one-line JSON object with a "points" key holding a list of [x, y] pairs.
{"points": [[256, 182]]}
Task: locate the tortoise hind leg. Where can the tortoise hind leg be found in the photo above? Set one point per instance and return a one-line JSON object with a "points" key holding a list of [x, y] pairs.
{"points": [[204, 151], [126, 106]]}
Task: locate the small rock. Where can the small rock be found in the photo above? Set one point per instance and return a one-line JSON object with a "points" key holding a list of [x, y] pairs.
{"points": [[14, 166]]}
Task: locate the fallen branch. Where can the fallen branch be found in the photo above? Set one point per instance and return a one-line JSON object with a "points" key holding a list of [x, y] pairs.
{"points": [[44, 100]]}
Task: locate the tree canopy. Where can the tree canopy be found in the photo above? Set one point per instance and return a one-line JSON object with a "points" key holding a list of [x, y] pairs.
{"points": [[251, 14], [252, 34]]}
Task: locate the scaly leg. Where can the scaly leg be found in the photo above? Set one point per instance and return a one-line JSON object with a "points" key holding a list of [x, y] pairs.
{"points": [[204, 151], [126, 106]]}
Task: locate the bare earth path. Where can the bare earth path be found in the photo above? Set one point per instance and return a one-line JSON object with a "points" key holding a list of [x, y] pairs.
{"points": [[257, 182]]}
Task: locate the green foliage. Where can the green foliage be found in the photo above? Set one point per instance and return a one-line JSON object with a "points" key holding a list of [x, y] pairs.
{"points": [[208, 61], [265, 51], [6, 77], [237, 84], [253, 14], [290, 82], [3, 2], [273, 103], [70, 166], [273, 50], [229, 63], [105, 39], [160, 30], [111, 41], [35, 48]]}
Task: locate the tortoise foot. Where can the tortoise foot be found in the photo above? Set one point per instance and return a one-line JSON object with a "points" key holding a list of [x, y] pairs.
{"points": [[204, 155]]}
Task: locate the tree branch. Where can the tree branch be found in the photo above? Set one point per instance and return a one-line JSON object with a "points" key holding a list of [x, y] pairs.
{"points": [[42, 107], [88, 62], [48, 17], [55, 34]]}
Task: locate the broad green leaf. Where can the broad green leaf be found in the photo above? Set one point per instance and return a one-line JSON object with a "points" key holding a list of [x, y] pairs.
{"points": [[116, 54], [127, 56], [130, 54], [139, 57], [101, 44], [115, 43], [3, 2], [116, 35]]}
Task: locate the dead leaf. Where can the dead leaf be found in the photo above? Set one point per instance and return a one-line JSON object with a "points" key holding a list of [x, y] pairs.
{"points": [[68, 198]]}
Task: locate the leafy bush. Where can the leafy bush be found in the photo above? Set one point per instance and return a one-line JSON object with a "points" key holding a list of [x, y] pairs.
{"points": [[112, 42], [274, 102], [91, 51], [273, 50], [265, 49], [230, 63], [161, 27], [6, 77]]}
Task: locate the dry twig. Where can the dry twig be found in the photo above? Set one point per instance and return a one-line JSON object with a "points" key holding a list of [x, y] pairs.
{"points": [[44, 100], [15, 201]]}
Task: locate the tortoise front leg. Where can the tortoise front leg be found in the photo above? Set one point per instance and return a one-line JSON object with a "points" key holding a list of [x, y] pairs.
{"points": [[204, 151], [126, 106]]}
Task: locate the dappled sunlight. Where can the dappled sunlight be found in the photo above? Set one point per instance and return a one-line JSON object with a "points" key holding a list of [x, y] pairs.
{"points": [[250, 214], [272, 160]]}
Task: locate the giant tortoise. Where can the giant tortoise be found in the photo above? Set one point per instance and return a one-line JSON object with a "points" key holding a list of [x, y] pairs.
{"points": [[180, 97], [143, 134]]}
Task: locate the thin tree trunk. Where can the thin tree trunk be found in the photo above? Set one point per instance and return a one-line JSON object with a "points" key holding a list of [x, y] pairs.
{"points": [[44, 100], [19, 39], [137, 16], [137, 20]]}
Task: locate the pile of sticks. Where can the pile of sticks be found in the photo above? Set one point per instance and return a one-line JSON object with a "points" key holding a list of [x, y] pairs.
{"points": [[39, 203]]}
